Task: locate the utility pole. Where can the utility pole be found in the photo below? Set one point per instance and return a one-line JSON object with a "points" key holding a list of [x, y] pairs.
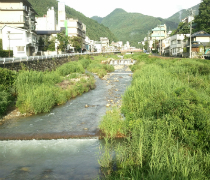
{"points": [[160, 40], [9, 41], [190, 14], [148, 50]]}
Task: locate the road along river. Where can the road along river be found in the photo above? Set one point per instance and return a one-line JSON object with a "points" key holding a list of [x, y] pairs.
{"points": [[62, 144]]}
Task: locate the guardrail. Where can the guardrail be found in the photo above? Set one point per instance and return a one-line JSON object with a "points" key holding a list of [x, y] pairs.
{"points": [[35, 58]]}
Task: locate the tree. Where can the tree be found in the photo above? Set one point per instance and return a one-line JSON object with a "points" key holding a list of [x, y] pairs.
{"points": [[63, 39], [76, 43], [146, 45], [203, 18], [183, 28]]}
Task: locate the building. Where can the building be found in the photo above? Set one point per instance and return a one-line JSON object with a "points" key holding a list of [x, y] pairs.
{"points": [[48, 22], [17, 23], [98, 46], [160, 32], [177, 44], [21, 41], [200, 43], [76, 28], [73, 27], [17, 13], [165, 46], [104, 43], [61, 15]]}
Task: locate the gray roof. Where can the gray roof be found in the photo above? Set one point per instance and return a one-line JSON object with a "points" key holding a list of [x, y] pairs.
{"points": [[200, 34], [46, 32]]}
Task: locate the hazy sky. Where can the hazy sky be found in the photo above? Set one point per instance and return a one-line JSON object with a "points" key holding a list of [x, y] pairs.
{"points": [[156, 8]]}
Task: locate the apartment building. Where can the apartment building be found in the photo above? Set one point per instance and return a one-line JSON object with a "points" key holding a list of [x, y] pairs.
{"points": [[17, 23], [159, 32], [177, 44], [17, 13], [76, 28]]}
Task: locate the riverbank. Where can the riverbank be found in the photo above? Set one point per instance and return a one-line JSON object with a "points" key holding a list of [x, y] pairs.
{"points": [[164, 120], [38, 92]]}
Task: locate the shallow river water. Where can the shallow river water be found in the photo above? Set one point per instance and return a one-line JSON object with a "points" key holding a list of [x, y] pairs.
{"points": [[45, 146]]}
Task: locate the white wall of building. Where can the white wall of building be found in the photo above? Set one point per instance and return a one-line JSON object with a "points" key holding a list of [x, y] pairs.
{"points": [[61, 15], [48, 22], [18, 40], [98, 47]]}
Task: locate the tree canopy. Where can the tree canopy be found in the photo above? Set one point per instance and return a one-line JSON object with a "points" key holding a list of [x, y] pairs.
{"points": [[203, 18]]}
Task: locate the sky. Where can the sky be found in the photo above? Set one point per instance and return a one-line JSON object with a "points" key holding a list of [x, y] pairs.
{"points": [[156, 8]]}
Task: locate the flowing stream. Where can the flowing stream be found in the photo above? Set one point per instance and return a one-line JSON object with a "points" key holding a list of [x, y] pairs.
{"points": [[62, 144]]}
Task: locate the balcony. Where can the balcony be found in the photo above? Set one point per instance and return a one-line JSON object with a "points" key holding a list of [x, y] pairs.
{"points": [[13, 9]]}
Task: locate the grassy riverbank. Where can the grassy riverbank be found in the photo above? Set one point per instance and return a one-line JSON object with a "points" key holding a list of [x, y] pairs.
{"points": [[166, 125], [39, 92]]}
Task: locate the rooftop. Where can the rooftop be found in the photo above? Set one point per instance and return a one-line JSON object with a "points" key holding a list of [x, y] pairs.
{"points": [[201, 34]]}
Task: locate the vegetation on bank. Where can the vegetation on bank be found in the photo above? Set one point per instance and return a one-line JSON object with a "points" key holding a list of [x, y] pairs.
{"points": [[7, 91], [166, 124], [39, 92]]}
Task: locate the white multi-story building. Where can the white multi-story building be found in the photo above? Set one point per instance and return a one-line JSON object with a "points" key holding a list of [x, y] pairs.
{"points": [[177, 44], [61, 15], [160, 32], [17, 13], [17, 21], [48, 22]]}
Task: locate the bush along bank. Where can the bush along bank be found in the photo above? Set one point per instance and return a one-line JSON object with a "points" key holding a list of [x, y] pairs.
{"points": [[7, 90], [166, 125], [39, 92]]}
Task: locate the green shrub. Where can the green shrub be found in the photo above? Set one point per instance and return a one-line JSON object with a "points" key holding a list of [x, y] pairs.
{"points": [[85, 62], [5, 53], [4, 100], [7, 78], [69, 68], [1, 44]]}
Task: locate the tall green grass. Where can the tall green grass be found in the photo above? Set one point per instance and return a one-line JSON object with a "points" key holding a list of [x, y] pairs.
{"points": [[167, 121], [40, 91]]}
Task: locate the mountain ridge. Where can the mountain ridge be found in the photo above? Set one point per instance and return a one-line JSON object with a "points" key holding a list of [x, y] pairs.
{"points": [[131, 27], [134, 27]]}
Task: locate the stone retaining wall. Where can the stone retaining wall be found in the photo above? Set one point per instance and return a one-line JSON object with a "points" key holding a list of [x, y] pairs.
{"points": [[42, 65]]}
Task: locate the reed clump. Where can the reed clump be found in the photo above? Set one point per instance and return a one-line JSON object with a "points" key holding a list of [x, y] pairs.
{"points": [[166, 123], [40, 91]]}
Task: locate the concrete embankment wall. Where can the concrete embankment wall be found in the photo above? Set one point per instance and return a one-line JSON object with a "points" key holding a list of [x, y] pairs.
{"points": [[44, 64]]}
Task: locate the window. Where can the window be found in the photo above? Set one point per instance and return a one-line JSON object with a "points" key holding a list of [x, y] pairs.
{"points": [[178, 41], [20, 48], [173, 42]]}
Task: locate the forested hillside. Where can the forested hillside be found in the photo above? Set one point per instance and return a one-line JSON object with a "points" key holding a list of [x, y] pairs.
{"points": [[94, 29], [182, 14], [97, 18], [132, 27]]}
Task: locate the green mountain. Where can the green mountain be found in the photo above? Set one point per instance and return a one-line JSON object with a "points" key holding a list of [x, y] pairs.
{"points": [[183, 14], [94, 29], [132, 27], [97, 18]]}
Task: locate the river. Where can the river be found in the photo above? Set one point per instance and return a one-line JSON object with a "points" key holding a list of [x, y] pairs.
{"points": [[62, 144]]}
